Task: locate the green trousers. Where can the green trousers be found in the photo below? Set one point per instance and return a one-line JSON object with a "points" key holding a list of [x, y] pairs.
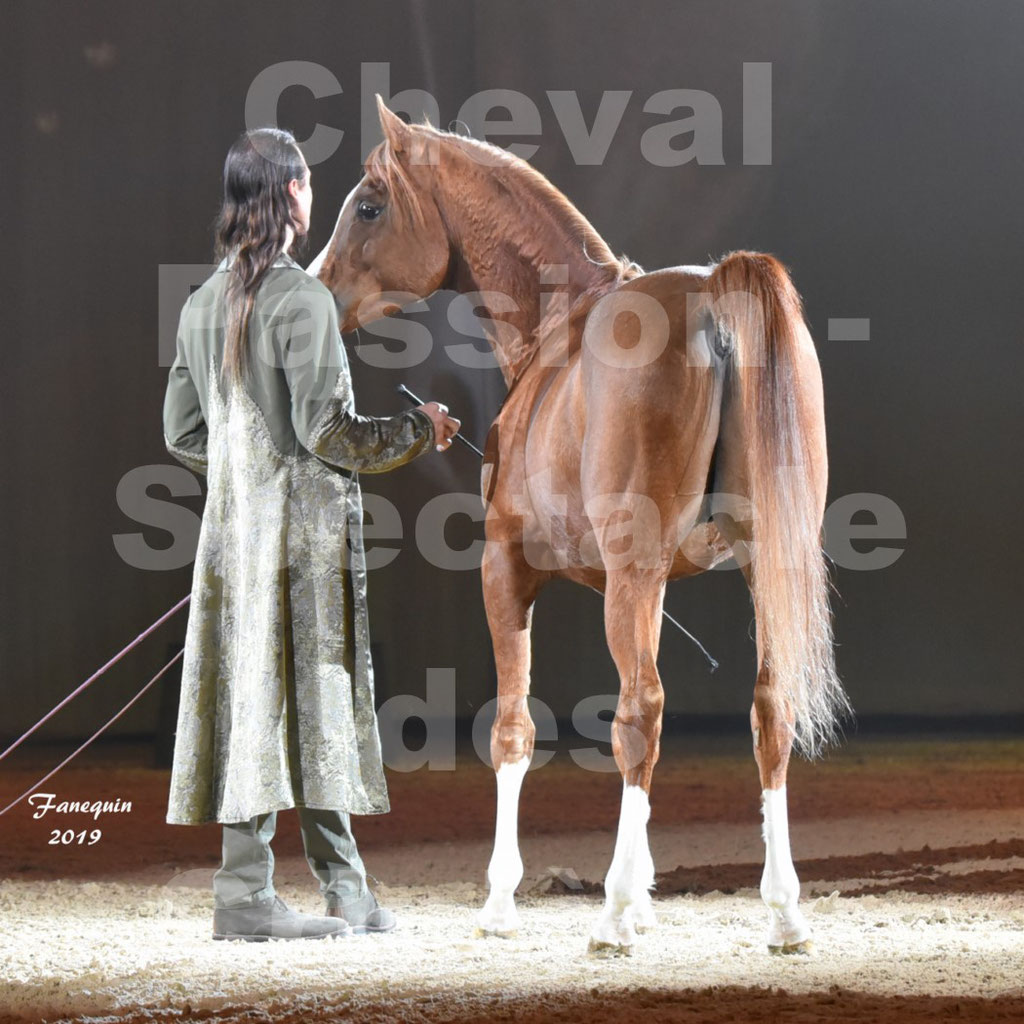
{"points": [[247, 872]]}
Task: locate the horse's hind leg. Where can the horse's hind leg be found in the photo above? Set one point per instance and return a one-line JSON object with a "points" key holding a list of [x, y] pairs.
{"points": [[510, 587], [771, 723], [633, 603]]}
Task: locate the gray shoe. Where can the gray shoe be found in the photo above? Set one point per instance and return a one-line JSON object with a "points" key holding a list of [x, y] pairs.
{"points": [[364, 914], [272, 919]]}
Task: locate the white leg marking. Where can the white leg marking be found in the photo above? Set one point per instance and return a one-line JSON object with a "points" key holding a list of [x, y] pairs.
{"points": [[630, 878], [499, 915], [780, 888]]}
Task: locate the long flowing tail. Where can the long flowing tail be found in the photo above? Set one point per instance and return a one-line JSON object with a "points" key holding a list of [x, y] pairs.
{"points": [[757, 304]]}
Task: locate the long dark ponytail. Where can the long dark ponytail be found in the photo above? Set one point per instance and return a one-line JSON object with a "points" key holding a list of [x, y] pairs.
{"points": [[252, 226]]}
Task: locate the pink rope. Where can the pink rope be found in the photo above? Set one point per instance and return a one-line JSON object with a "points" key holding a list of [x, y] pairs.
{"points": [[100, 730], [117, 657]]}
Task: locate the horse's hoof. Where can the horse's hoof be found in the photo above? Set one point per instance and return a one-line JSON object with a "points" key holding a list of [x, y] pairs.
{"points": [[494, 933], [804, 948], [498, 917], [608, 949], [645, 921]]}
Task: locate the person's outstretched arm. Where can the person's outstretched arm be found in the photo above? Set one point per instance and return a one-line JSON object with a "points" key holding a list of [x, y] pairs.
{"points": [[323, 407], [185, 430]]}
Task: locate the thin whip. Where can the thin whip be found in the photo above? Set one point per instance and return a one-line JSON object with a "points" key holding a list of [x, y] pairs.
{"points": [[117, 657], [100, 730]]}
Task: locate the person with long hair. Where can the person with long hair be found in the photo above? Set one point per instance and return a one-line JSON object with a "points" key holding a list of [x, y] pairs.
{"points": [[277, 706]]}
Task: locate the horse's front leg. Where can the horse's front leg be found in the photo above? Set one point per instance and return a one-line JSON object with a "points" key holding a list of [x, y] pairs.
{"points": [[510, 587], [633, 602]]}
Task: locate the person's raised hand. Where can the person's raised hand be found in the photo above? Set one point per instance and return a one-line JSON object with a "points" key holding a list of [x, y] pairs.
{"points": [[445, 426]]}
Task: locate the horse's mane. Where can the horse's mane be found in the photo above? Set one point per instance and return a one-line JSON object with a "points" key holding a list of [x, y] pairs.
{"points": [[544, 211], [383, 167]]}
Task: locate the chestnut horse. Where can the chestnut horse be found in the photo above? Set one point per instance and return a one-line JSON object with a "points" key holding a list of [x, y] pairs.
{"points": [[655, 424]]}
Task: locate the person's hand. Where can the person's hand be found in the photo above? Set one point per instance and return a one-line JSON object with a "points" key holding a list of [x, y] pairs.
{"points": [[445, 426]]}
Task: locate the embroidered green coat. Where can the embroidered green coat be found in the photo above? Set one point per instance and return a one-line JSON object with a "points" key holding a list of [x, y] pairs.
{"points": [[276, 703]]}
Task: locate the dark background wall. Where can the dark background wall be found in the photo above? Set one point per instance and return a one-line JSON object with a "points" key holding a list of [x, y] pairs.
{"points": [[893, 195]]}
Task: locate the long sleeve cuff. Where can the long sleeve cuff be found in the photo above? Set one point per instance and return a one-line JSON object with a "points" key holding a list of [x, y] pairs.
{"points": [[369, 444]]}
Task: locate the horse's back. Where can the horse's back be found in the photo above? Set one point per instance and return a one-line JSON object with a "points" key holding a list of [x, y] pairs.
{"points": [[647, 349], [649, 325]]}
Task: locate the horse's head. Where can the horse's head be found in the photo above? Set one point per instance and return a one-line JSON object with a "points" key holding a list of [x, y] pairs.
{"points": [[389, 245]]}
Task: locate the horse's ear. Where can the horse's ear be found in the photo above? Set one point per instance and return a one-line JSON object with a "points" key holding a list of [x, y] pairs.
{"points": [[395, 129]]}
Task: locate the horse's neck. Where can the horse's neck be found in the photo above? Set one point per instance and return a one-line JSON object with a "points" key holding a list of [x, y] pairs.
{"points": [[535, 276], [544, 317], [511, 305]]}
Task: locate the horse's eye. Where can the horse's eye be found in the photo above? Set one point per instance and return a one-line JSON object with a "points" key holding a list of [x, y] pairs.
{"points": [[367, 211]]}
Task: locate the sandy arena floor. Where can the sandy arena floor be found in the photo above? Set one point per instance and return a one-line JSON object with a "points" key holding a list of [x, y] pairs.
{"points": [[911, 856]]}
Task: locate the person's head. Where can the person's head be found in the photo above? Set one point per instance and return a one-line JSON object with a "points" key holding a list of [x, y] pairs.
{"points": [[268, 196]]}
